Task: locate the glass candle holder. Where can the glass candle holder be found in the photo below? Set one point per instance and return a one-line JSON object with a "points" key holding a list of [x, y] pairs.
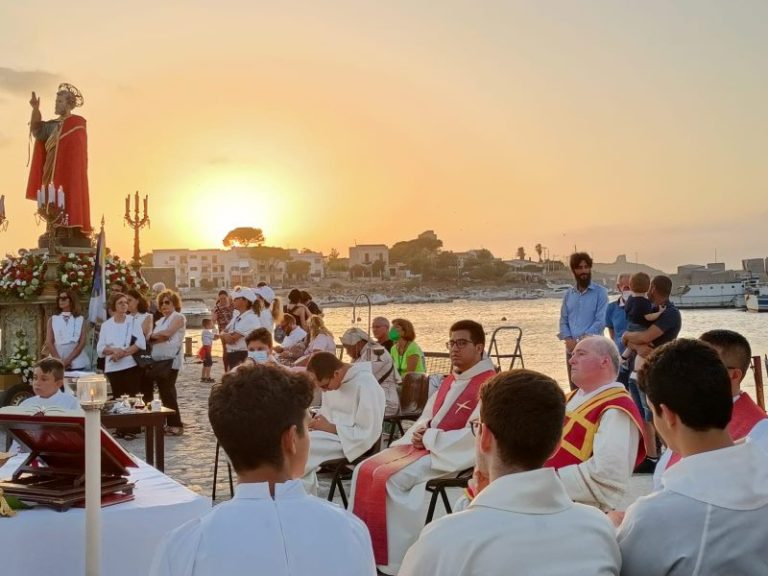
{"points": [[92, 391]]}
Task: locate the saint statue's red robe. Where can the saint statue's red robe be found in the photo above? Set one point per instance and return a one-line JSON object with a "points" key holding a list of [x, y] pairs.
{"points": [[68, 168]]}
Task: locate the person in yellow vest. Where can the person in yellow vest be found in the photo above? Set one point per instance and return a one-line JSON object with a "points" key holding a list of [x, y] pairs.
{"points": [[602, 436]]}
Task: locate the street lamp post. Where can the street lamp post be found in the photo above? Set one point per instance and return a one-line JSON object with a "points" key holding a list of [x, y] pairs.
{"points": [[137, 222]]}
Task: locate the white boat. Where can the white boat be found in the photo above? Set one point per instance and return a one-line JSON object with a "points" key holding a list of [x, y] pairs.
{"points": [[195, 310], [710, 295], [756, 298], [555, 290]]}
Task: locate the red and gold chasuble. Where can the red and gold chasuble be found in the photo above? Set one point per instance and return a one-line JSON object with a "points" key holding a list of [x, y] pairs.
{"points": [[371, 490], [581, 426], [746, 413], [63, 161]]}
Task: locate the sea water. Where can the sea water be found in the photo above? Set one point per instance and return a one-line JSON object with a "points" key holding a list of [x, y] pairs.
{"points": [[539, 322]]}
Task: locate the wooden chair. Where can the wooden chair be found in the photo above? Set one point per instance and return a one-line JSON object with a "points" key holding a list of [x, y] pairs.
{"points": [[414, 392], [439, 486], [342, 469]]}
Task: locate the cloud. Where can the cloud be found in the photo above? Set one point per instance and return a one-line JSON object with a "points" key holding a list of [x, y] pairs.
{"points": [[22, 82]]}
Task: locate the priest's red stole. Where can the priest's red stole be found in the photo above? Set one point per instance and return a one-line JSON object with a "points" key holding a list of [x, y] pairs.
{"points": [[582, 423], [746, 413], [70, 170], [371, 489]]}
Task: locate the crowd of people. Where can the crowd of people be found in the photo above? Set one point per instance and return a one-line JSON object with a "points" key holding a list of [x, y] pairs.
{"points": [[549, 470]]}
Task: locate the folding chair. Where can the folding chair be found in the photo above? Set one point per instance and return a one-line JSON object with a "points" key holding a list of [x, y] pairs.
{"points": [[438, 487], [414, 392], [342, 470], [216, 473]]}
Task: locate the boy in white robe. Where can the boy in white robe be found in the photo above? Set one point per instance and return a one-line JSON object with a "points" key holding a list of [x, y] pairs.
{"points": [[259, 415], [351, 414], [47, 381], [711, 516], [522, 511]]}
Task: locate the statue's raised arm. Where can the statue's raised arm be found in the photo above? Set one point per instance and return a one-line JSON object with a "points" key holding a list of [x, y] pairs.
{"points": [[60, 155]]}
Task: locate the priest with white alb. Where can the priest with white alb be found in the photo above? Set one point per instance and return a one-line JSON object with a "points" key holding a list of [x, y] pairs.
{"points": [[271, 526], [351, 414], [389, 489]]}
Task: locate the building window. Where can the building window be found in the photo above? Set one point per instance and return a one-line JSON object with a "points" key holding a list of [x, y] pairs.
{"points": [[193, 268]]}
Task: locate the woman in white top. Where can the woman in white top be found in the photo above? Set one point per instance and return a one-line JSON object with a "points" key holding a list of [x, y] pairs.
{"points": [[119, 338], [320, 340], [138, 310], [167, 338], [268, 308], [66, 333]]}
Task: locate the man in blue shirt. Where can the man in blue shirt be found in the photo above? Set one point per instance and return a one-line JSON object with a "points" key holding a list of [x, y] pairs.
{"points": [[584, 307], [616, 320], [665, 329]]}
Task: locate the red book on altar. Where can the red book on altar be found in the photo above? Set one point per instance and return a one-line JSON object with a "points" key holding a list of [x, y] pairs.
{"points": [[53, 473]]}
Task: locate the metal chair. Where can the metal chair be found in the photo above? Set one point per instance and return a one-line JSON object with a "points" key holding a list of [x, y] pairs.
{"points": [[438, 487], [341, 468], [414, 392], [216, 473]]}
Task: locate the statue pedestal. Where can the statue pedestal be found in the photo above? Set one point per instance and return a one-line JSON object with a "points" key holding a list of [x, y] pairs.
{"points": [[28, 315], [67, 237]]}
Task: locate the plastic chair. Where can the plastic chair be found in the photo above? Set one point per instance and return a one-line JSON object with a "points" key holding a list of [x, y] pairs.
{"points": [[414, 392]]}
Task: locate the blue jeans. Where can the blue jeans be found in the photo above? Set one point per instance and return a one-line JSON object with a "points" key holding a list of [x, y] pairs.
{"points": [[641, 401]]}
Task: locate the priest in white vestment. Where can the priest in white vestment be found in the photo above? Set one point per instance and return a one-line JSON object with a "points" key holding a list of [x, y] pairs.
{"points": [[521, 512], [351, 414], [388, 490], [272, 526], [711, 515]]}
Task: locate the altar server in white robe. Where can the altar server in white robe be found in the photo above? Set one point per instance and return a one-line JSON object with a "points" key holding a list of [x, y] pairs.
{"points": [[521, 511], [272, 526], [351, 413], [389, 489], [711, 515]]}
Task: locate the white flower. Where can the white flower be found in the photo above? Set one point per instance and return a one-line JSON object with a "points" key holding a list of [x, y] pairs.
{"points": [[17, 371]]}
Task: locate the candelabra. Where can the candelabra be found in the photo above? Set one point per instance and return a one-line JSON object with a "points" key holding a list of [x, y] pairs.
{"points": [[50, 209], [137, 222], [3, 219]]}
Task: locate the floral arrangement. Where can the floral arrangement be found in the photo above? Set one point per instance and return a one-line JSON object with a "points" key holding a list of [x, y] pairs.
{"points": [[76, 272], [118, 272], [21, 361], [22, 276]]}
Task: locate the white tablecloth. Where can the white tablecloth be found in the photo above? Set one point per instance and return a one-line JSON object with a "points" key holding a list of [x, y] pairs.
{"points": [[43, 542]]}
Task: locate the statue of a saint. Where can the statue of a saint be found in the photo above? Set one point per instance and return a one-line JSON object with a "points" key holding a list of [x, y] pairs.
{"points": [[60, 155]]}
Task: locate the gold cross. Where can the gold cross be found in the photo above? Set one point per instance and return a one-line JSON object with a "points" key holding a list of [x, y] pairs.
{"points": [[463, 405]]}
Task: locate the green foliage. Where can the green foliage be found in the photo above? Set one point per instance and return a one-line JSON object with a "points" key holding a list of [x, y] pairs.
{"points": [[297, 269], [244, 236], [406, 250], [267, 253], [521, 253]]}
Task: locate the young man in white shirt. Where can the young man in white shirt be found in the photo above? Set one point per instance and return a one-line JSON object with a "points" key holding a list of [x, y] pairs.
{"points": [[522, 511], [259, 415], [711, 516], [351, 415]]}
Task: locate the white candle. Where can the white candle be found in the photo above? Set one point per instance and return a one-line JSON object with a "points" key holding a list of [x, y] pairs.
{"points": [[40, 194], [93, 492], [51, 194], [61, 197]]}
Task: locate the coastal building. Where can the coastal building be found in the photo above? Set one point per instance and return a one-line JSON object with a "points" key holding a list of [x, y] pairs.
{"points": [[367, 254]]}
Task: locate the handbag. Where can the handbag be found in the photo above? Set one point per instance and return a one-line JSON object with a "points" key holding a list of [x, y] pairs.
{"points": [[143, 358]]}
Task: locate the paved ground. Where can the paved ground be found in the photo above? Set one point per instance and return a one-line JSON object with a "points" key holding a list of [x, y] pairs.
{"points": [[189, 459]]}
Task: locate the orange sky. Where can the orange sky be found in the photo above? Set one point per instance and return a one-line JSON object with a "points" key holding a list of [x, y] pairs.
{"points": [[618, 127]]}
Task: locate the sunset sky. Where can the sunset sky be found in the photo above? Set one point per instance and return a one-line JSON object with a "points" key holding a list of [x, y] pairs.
{"points": [[617, 127]]}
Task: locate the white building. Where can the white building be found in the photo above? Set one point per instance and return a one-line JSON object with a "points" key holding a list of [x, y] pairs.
{"points": [[367, 254]]}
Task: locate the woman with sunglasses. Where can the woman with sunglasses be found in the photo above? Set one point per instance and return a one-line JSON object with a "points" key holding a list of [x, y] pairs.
{"points": [[167, 354], [66, 333]]}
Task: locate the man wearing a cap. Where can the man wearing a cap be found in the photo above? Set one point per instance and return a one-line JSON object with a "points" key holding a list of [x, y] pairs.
{"points": [[362, 348], [240, 326]]}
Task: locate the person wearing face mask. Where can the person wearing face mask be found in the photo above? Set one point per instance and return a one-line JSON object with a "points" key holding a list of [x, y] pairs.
{"points": [[242, 324], [616, 321], [583, 310], [259, 345]]}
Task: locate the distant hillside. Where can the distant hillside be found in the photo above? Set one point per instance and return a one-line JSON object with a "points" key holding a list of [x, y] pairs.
{"points": [[621, 265]]}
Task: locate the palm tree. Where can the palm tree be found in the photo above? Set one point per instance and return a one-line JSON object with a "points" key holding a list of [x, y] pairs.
{"points": [[539, 249], [521, 253]]}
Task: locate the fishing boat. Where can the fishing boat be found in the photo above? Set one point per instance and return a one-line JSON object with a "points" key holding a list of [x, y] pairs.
{"points": [[195, 310], [711, 295], [756, 298]]}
